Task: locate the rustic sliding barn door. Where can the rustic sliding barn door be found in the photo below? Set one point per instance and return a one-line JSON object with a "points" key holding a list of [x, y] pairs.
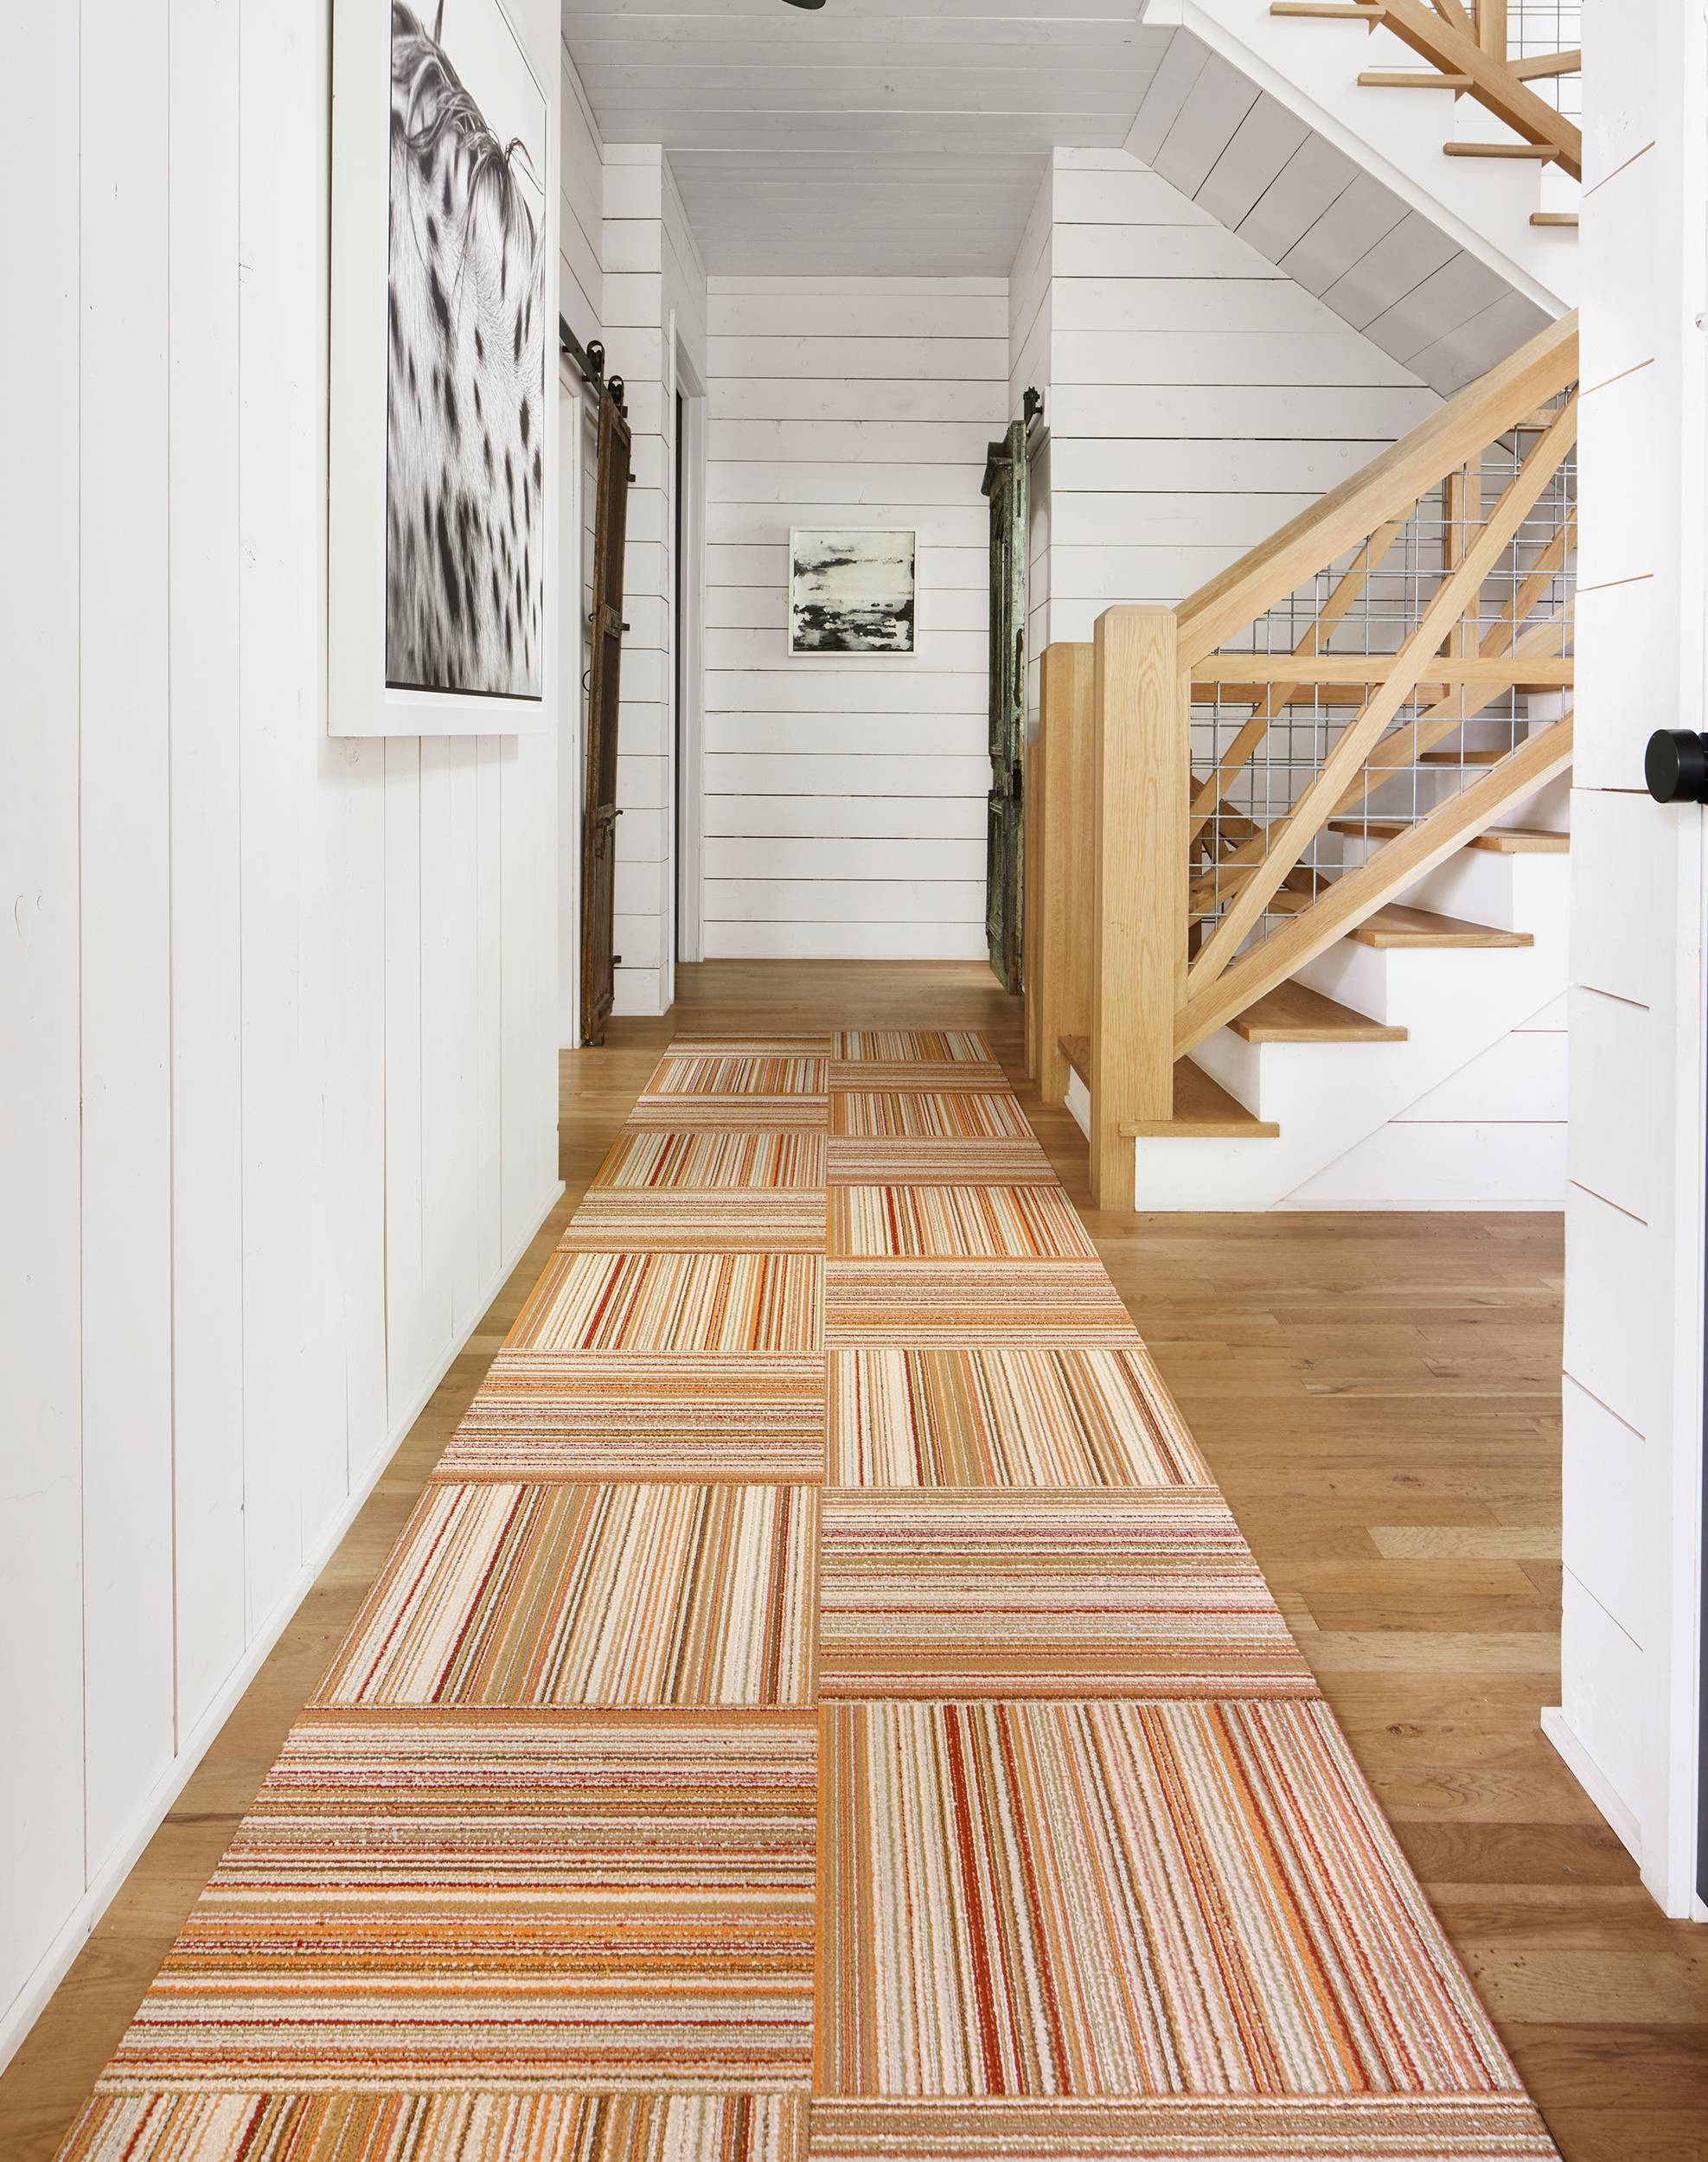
{"points": [[598, 829], [1005, 480]]}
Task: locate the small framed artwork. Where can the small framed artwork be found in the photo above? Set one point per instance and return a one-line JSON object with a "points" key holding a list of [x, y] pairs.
{"points": [[441, 612], [851, 591]]}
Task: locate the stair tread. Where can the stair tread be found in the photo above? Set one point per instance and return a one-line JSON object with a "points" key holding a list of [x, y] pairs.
{"points": [[1294, 1014], [1397, 926], [1566, 218], [1076, 1049], [1484, 754], [1499, 149], [1500, 840], [1203, 1111], [1523, 841]]}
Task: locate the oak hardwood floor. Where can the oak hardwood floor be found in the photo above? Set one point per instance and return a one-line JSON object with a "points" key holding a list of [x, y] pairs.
{"points": [[1379, 1397]]}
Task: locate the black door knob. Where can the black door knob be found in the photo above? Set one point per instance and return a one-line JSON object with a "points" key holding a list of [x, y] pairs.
{"points": [[1675, 766]]}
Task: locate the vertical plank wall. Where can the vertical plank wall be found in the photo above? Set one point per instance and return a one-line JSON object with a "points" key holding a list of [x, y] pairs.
{"points": [[279, 1054], [844, 798], [655, 298], [1634, 1299]]}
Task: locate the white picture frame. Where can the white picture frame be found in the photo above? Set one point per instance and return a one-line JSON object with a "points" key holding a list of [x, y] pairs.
{"points": [[889, 548], [485, 685]]}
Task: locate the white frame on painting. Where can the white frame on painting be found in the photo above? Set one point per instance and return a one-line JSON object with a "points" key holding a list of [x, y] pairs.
{"points": [[360, 701], [874, 653]]}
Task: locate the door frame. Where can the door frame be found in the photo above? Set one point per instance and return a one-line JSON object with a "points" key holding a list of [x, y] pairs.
{"points": [[573, 656], [686, 897]]}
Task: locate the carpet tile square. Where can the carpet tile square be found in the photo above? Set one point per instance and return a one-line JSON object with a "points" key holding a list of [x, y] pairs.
{"points": [[1116, 1900], [1134, 1594], [543, 1904], [973, 1302], [662, 1161], [943, 1135], [976, 1223], [674, 1302], [1183, 2128], [678, 1415], [722, 1074], [622, 1595], [914, 1046], [433, 2127], [697, 1220], [1005, 1418]]}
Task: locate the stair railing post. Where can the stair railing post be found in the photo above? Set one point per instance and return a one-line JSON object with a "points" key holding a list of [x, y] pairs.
{"points": [[1141, 814]]}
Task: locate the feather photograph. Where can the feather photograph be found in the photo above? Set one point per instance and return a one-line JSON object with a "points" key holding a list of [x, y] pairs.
{"points": [[466, 357]]}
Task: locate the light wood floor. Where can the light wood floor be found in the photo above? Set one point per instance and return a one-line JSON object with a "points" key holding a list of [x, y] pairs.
{"points": [[1379, 1397]]}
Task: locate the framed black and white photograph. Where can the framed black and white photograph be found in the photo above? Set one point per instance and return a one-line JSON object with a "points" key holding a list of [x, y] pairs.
{"points": [[852, 590], [444, 373]]}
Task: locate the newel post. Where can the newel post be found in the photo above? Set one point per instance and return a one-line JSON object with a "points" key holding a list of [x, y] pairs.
{"points": [[1138, 836]]}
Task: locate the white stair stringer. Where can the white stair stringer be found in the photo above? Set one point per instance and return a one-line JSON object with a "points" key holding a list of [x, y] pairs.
{"points": [[1312, 66], [1457, 1004]]}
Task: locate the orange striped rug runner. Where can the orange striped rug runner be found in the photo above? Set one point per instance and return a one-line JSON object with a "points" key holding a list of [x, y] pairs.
{"points": [[821, 1711]]}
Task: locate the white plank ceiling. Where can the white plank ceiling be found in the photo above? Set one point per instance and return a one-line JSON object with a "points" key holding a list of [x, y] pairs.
{"points": [[872, 137]]}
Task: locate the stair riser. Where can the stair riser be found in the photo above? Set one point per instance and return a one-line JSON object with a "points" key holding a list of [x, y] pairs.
{"points": [[1327, 1099]]}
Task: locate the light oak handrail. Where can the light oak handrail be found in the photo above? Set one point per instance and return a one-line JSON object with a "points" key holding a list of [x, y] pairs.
{"points": [[1390, 486]]}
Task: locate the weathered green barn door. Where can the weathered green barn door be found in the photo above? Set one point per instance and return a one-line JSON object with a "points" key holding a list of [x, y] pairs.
{"points": [[1005, 479]]}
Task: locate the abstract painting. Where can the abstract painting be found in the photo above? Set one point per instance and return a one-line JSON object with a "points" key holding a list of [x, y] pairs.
{"points": [[465, 436], [851, 590]]}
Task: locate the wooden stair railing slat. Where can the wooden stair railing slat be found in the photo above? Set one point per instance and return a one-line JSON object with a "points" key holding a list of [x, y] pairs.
{"points": [[1346, 592], [1293, 834], [1396, 752], [1508, 396], [1544, 67], [1500, 669], [1359, 893]]}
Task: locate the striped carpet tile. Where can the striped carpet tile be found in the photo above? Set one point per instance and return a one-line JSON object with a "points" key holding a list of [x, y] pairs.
{"points": [[674, 1302], [1132, 1595], [1118, 1900], [638, 1596], [539, 1904], [658, 1162], [1178, 2128], [926, 1113], [907, 1223], [913, 1046], [999, 1163], [887, 1075], [414, 2127], [972, 1302], [1005, 1418], [543, 1416], [709, 1220], [720, 1114], [726, 1074]]}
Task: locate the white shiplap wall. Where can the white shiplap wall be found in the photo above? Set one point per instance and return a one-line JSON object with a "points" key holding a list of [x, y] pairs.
{"points": [[655, 300], [1197, 396], [844, 799], [278, 1040]]}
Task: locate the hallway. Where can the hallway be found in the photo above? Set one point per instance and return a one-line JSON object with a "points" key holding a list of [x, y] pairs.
{"points": [[1376, 1395]]}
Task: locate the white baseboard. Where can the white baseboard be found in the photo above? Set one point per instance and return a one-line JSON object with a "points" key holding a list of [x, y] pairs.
{"points": [[26, 2008], [1594, 1781]]}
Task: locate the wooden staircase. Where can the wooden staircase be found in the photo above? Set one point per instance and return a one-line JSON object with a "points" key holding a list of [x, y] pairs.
{"points": [[1187, 876], [1464, 45]]}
